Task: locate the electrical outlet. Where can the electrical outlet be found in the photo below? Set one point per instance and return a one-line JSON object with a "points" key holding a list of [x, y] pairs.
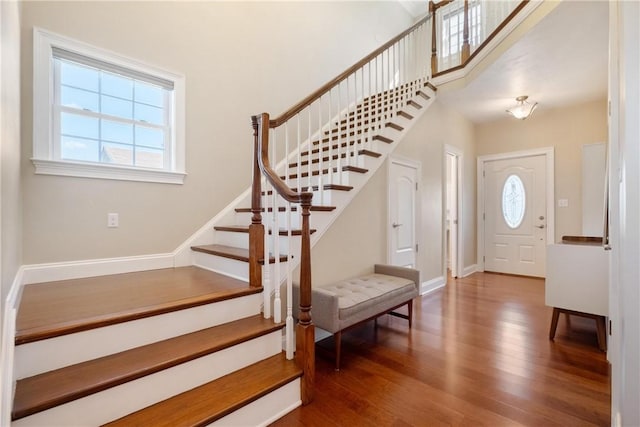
{"points": [[563, 203], [112, 220]]}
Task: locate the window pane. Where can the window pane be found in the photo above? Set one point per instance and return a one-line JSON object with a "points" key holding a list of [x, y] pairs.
{"points": [[149, 114], [149, 137], [119, 154], [72, 74], [79, 98], [149, 158], [117, 107], [149, 94], [79, 149], [513, 201], [76, 125], [115, 85], [117, 132]]}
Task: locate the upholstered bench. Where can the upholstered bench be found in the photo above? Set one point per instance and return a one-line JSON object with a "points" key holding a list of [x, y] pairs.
{"points": [[339, 306]]}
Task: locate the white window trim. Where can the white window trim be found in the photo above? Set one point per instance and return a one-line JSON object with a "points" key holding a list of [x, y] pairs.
{"points": [[43, 138]]}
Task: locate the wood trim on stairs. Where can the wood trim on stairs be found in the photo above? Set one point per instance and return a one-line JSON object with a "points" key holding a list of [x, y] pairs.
{"points": [[53, 388]]}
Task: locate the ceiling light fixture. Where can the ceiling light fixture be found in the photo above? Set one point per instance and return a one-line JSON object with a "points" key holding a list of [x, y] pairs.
{"points": [[523, 108]]}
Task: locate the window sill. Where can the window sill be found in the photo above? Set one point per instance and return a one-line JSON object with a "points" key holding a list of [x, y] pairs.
{"points": [[104, 171]]}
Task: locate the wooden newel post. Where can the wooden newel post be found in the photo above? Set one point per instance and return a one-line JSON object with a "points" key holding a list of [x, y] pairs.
{"points": [[466, 47], [305, 334], [434, 55], [256, 229]]}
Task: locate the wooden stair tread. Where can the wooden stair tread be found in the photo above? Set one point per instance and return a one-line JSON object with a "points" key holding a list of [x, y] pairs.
{"points": [[335, 187], [394, 126], [313, 208], [333, 157], [345, 168], [63, 307], [245, 229], [230, 252], [212, 401], [383, 139], [53, 388]]}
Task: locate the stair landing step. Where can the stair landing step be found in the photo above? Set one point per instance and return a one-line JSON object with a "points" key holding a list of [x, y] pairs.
{"points": [[335, 187], [53, 388], [58, 308], [214, 400], [238, 254], [245, 229], [314, 208]]}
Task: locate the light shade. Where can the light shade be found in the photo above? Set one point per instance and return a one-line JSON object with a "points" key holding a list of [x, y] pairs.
{"points": [[523, 108]]}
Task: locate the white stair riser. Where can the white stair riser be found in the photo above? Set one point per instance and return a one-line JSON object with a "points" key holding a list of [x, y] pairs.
{"points": [[265, 410], [116, 402], [231, 267], [45, 355]]}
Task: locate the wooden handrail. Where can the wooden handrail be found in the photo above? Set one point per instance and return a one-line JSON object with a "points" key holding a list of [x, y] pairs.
{"points": [[342, 76], [262, 122]]}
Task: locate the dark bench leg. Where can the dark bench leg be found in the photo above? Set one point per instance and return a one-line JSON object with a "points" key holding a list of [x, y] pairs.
{"points": [[337, 338]]}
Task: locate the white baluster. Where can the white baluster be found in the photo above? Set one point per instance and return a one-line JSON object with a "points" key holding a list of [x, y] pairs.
{"points": [[289, 318], [339, 134], [310, 156], [330, 151], [320, 147]]}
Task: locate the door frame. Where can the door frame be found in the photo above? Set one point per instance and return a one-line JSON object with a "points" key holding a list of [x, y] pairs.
{"points": [[548, 152], [408, 162], [459, 258]]}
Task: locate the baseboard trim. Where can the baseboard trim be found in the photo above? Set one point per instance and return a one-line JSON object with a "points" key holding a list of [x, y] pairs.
{"points": [[38, 273], [7, 349], [431, 285], [469, 270]]}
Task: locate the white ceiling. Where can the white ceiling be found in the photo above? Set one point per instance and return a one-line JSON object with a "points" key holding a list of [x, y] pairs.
{"points": [[561, 61]]}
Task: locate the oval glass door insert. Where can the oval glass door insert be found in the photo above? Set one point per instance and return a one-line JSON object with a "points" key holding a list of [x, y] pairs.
{"points": [[513, 201]]}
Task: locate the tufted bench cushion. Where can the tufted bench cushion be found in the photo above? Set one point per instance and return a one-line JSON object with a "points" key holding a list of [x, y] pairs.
{"points": [[338, 306]]}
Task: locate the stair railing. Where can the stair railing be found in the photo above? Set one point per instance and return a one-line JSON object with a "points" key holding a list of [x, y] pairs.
{"points": [[464, 27], [306, 152]]}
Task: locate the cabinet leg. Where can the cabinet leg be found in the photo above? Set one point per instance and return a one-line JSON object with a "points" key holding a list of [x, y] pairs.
{"points": [[554, 323], [601, 327]]}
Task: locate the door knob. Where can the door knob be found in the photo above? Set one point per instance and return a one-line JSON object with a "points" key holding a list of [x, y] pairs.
{"points": [[540, 226], [395, 225]]}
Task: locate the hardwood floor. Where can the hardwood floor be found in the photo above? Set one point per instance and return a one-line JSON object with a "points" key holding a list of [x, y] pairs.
{"points": [[478, 354]]}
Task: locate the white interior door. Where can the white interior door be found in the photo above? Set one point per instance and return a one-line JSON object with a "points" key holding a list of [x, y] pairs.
{"points": [[515, 216], [403, 191]]}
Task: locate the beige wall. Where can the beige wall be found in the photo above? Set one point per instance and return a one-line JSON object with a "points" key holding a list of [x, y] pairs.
{"points": [[239, 59], [358, 238], [10, 194], [565, 129]]}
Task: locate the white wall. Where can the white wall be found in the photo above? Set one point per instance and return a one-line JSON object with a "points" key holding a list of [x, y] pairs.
{"points": [[358, 238], [10, 190], [239, 58], [625, 209], [10, 196]]}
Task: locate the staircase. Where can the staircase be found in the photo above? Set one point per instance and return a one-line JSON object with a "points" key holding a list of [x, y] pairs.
{"points": [[202, 343]]}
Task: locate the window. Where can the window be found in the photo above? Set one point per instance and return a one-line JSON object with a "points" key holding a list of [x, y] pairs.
{"points": [[100, 115], [452, 27], [513, 201]]}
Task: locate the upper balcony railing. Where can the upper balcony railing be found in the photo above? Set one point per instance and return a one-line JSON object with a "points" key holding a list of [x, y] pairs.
{"points": [[463, 27]]}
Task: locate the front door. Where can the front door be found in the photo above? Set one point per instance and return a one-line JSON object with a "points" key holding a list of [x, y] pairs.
{"points": [[515, 215], [403, 190]]}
